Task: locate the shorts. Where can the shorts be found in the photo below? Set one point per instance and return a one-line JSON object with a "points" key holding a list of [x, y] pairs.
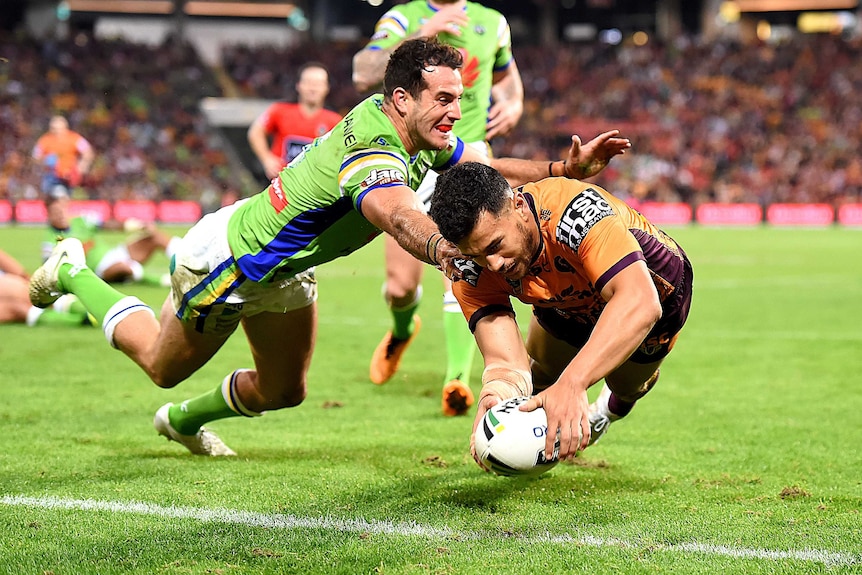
{"points": [[426, 187], [100, 258], [658, 342], [209, 290]]}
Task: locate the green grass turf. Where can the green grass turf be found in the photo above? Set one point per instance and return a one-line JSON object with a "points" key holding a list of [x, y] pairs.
{"points": [[744, 459]]}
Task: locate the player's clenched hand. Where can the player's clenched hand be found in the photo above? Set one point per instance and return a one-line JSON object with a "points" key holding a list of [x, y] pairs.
{"points": [[568, 418], [586, 160], [451, 19], [447, 254]]}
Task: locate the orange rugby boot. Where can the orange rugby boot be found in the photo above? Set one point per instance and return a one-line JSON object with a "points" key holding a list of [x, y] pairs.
{"points": [[457, 398], [387, 356]]}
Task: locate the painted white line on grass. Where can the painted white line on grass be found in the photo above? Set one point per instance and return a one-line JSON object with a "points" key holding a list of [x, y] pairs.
{"points": [[282, 521]]}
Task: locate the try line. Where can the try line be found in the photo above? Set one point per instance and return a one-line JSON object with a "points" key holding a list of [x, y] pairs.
{"points": [[284, 521]]}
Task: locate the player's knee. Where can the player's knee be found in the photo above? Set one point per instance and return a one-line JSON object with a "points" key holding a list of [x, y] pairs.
{"points": [[165, 381], [632, 391], [292, 397]]}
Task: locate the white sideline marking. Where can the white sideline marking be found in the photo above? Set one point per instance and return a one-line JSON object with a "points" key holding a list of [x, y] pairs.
{"points": [[282, 521]]}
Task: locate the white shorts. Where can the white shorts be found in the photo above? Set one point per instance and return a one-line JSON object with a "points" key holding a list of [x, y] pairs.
{"points": [[116, 255], [208, 288]]}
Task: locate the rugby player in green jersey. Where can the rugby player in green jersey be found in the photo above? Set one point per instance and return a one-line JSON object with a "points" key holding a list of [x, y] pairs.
{"points": [[113, 263], [252, 263], [491, 105]]}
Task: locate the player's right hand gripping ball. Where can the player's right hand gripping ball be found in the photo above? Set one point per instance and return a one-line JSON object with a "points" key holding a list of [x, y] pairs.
{"points": [[512, 442]]}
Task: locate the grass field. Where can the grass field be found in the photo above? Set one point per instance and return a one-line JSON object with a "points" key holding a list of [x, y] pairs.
{"points": [[745, 458]]}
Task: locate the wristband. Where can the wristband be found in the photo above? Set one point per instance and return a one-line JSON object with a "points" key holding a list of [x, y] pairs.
{"points": [[505, 383]]}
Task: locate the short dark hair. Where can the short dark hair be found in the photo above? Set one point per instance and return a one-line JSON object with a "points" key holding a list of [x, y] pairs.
{"points": [[311, 64], [462, 193], [411, 58]]}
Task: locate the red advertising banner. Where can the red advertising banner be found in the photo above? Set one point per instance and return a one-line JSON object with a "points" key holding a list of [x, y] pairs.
{"points": [[99, 207], [138, 209], [850, 215], [664, 214], [800, 215], [30, 212], [179, 212], [5, 211], [713, 214]]}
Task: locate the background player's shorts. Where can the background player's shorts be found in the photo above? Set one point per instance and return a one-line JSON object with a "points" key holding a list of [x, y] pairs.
{"points": [[426, 187], [208, 288], [100, 258]]}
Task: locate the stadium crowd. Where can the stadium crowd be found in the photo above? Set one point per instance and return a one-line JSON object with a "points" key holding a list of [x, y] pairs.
{"points": [[136, 105], [708, 121]]}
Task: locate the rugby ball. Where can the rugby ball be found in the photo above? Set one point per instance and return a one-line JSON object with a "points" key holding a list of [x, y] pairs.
{"points": [[509, 441]]}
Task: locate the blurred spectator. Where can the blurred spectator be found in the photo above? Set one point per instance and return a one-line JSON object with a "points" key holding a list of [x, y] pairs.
{"points": [[291, 126], [137, 104], [64, 155]]}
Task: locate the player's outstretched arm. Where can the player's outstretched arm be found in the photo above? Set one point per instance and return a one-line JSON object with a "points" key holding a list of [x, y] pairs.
{"points": [[507, 366], [582, 161], [397, 211], [587, 160]]}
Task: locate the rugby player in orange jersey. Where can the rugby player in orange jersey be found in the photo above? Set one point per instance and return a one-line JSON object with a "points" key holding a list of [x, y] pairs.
{"points": [[609, 290], [65, 155]]}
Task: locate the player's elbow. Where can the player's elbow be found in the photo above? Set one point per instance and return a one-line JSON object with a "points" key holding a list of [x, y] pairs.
{"points": [[650, 312], [361, 82]]}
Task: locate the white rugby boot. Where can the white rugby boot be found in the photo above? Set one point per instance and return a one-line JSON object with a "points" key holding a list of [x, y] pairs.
{"points": [[600, 416], [204, 442], [45, 282]]}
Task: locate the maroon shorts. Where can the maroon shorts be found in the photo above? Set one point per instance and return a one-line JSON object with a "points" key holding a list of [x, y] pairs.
{"points": [[658, 342]]}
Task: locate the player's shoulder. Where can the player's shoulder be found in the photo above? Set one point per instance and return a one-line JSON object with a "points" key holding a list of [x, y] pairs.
{"points": [[366, 126]]}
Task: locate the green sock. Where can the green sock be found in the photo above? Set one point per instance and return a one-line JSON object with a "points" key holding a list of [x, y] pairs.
{"points": [[96, 295], [460, 345], [188, 417], [402, 318], [53, 317]]}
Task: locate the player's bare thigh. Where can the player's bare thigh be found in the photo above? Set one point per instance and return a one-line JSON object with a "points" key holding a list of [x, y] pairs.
{"points": [[282, 345], [169, 350], [549, 356]]}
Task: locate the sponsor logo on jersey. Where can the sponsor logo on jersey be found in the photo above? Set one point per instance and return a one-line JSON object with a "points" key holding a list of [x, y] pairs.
{"points": [[479, 29], [469, 269], [382, 177], [276, 195], [584, 211]]}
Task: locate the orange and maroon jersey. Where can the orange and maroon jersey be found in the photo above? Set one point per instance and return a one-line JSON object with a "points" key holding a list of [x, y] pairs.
{"points": [[587, 237], [61, 152], [291, 129]]}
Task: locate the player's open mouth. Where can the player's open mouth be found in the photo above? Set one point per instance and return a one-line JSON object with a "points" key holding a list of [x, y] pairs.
{"points": [[445, 128]]}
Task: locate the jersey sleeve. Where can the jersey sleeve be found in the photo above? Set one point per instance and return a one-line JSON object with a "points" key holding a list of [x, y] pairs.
{"points": [[504, 45], [480, 294], [82, 145], [370, 169], [598, 235], [450, 155], [389, 30]]}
